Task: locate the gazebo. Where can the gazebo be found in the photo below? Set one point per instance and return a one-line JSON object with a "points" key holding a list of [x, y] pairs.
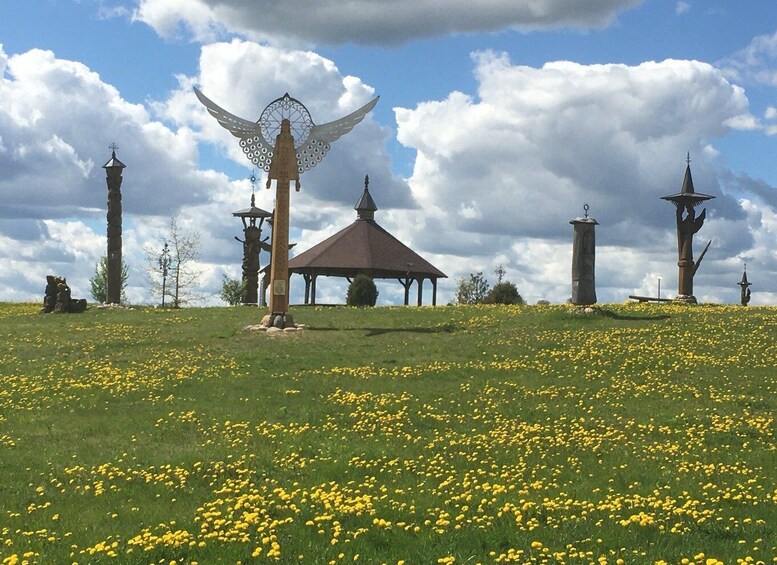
{"points": [[365, 248]]}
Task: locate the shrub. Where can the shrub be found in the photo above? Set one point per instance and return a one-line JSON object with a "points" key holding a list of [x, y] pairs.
{"points": [[503, 293], [362, 292]]}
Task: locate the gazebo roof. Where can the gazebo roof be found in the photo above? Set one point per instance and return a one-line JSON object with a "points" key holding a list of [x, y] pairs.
{"points": [[366, 248]]}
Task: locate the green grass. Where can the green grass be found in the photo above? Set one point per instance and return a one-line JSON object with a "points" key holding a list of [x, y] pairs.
{"points": [[643, 433]]}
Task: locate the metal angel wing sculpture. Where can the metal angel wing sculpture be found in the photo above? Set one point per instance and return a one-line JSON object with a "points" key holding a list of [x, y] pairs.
{"points": [[311, 141]]}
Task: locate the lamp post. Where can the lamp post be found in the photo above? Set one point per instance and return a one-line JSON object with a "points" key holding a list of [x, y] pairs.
{"points": [[164, 264]]}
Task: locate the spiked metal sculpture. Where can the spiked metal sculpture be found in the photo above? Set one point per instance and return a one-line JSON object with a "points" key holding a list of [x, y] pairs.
{"points": [[685, 202], [284, 142]]}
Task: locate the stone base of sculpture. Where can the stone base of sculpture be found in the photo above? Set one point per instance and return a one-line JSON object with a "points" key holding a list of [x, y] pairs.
{"points": [[57, 298], [686, 299], [280, 321]]}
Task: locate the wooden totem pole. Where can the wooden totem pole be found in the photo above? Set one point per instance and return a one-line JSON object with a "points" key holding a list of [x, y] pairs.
{"points": [[113, 170]]}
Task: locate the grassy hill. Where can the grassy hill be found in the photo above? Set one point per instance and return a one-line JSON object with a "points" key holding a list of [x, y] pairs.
{"points": [[483, 434]]}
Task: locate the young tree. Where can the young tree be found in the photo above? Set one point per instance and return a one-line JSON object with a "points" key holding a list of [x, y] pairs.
{"points": [[231, 291], [99, 282], [178, 277], [471, 289], [362, 292]]}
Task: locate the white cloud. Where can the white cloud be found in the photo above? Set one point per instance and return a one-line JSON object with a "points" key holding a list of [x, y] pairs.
{"points": [[756, 63], [496, 178], [682, 8], [57, 119], [367, 21], [539, 142]]}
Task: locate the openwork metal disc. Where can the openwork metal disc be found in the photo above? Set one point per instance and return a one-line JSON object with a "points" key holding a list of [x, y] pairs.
{"points": [[289, 108]]}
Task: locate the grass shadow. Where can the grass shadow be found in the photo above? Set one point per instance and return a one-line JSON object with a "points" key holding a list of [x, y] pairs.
{"points": [[614, 316], [371, 332]]}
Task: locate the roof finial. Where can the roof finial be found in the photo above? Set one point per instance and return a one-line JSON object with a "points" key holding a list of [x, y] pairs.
{"points": [[252, 178], [586, 207], [113, 147], [688, 158], [366, 182]]}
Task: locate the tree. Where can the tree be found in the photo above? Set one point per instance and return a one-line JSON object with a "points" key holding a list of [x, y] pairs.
{"points": [[231, 291], [504, 293], [177, 277], [362, 292], [99, 282], [471, 289]]}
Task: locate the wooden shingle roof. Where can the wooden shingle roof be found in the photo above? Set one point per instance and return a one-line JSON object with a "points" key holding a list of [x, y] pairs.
{"points": [[366, 248]]}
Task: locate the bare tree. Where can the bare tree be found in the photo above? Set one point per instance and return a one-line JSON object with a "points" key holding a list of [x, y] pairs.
{"points": [[172, 271]]}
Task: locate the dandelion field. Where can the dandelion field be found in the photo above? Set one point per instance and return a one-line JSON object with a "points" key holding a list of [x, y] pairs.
{"points": [[482, 434]]}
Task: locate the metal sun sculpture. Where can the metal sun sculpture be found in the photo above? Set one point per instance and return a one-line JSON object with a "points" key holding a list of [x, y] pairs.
{"points": [[284, 142], [311, 141]]}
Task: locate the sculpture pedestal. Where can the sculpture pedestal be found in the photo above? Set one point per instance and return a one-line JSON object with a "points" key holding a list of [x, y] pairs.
{"points": [[685, 299], [280, 321]]}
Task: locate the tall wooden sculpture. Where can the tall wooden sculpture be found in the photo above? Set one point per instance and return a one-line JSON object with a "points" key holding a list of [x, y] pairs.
{"points": [[584, 260], [688, 224], [252, 245], [284, 142], [113, 170]]}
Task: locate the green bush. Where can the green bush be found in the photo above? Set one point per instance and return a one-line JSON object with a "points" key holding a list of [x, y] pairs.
{"points": [[232, 291], [503, 293], [362, 292]]}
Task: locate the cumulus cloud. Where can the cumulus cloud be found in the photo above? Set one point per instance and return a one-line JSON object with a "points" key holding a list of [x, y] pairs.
{"points": [[506, 171], [372, 22], [57, 119], [243, 77]]}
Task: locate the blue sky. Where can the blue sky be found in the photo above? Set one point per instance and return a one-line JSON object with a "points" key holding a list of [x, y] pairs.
{"points": [[497, 120]]}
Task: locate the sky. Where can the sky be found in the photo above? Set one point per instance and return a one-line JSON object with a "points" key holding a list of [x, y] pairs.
{"points": [[497, 121]]}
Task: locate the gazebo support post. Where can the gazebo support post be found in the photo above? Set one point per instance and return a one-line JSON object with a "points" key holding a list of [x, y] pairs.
{"points": [[313, 289], [306, 277], [406, 282], [420, 291], [434, 292]]}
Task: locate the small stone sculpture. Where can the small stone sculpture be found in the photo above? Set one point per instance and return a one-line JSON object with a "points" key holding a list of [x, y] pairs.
{"points": [[57, 298]]}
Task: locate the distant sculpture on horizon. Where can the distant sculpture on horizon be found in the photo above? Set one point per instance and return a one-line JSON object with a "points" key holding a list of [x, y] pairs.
{"points": [[584, 260], [688, 224], [744, 291], [113, 171], [57, 298]]}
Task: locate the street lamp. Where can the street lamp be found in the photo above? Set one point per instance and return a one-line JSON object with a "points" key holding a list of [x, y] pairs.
{"points": [[164, 264]]}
